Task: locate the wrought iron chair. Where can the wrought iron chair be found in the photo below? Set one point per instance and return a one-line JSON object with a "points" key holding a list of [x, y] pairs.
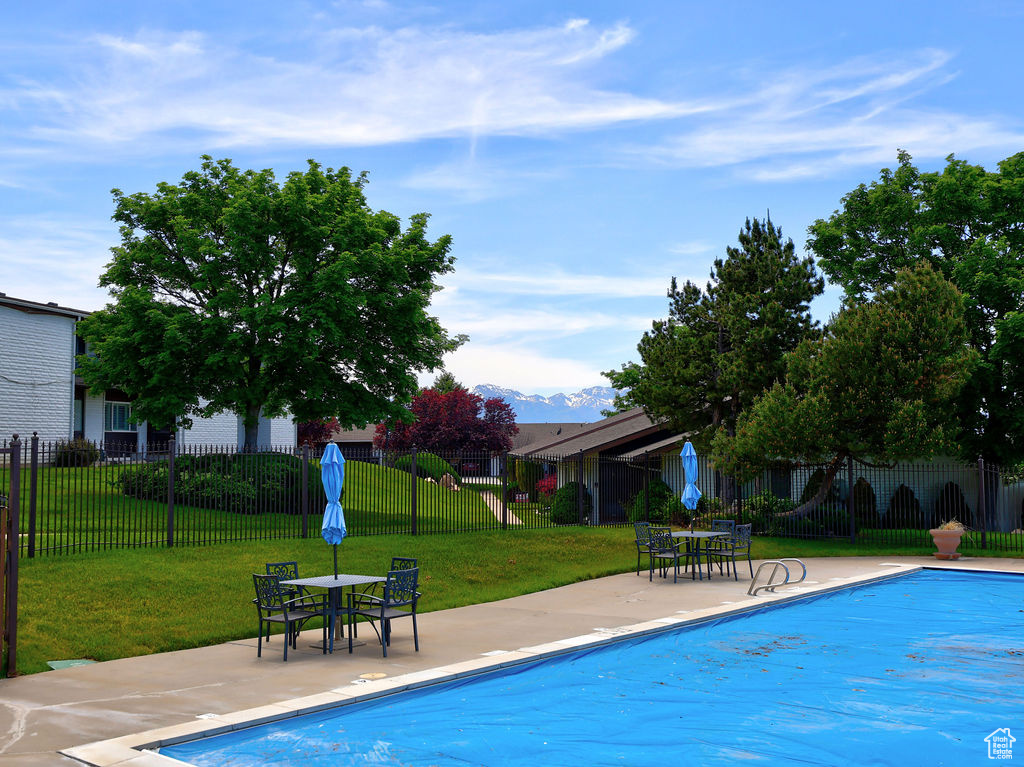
{"points": [[286, 571], [274, 606], [643, 540], [663, 548], [398, 601], [737, 546], [397, 563], [714, 544]]}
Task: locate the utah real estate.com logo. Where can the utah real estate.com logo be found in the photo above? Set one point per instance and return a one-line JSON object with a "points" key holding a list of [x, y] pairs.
{"points": [[1000, 744]]}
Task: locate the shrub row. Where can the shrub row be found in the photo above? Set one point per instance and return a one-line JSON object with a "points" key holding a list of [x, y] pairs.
{"points": [[246, 483]]}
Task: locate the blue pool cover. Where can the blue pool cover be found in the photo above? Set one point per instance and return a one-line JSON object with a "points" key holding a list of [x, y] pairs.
{"points": [[916, 670]]}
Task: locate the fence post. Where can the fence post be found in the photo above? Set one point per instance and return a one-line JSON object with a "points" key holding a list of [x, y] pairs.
{"points": [[33, 484], [850, 511], [413, 474], [11, 565], [579, 487], [504, 491], [982, 511], [647, 486], [170, 491], [305, 490]]}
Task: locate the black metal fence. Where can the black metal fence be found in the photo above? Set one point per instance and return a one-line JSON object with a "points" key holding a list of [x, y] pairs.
{"points": [[10, 495], [76, 496]]}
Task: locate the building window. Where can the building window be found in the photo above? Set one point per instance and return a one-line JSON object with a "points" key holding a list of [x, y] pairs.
{"points": [[116, 417], [79, 419]]}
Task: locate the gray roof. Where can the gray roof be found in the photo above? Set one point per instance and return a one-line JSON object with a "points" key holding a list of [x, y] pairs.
{"points": [[671, 444], [354, 435], [34, 307], [543, 433], [620, 429]]}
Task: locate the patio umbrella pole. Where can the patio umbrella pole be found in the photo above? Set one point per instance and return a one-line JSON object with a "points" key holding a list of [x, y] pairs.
{"points": [[335, 561]]}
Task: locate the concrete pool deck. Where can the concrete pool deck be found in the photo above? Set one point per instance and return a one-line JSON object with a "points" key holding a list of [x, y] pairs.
{"points": [[44, 714]]}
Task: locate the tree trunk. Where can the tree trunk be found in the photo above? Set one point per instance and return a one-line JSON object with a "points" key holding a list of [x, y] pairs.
{"points": [[252, 428], [804, 509]]}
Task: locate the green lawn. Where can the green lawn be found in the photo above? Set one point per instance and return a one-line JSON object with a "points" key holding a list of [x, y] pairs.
{"points": [[114, 604]]}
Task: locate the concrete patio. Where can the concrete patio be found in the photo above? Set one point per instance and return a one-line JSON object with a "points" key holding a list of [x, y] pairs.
{"points": [[44, 713]]}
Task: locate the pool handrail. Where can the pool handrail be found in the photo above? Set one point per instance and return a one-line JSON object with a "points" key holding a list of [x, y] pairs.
{"points": [[771, 584]]}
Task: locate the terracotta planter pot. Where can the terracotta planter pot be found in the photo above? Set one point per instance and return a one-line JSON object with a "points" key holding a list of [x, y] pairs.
{"points": [[946, 542]]}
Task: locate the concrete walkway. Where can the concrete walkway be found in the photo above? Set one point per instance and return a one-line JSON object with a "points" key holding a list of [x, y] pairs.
{"points": [[43, 713]]}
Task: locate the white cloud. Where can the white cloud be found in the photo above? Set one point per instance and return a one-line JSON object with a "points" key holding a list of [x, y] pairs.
{"points": [[516, 367], [47, 258], [366, 86], [815, 122], [472, 180], [557, 282], [691, 248]]}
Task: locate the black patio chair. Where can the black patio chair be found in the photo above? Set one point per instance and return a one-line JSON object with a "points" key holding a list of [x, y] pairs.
{"points": [[286, 571], [664, 549], [274, 606], [736, 546], [643, 540], [398, 601], [397, 563], [720, 526]]}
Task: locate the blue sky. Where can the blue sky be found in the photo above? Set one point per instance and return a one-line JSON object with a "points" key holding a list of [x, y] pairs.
{"points": [[579, 153]]}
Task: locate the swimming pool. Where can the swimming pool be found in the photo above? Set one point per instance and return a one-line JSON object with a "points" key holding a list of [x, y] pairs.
{"points": [[918, 669]]}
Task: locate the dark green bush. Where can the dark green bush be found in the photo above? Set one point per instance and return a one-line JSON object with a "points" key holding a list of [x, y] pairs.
{"points": [[764, 511], [246, 483], [660, 508], [527, 475], [76, 452], [564, 511], [865, 505], [904, 511], [951, 505], [428, 466]]}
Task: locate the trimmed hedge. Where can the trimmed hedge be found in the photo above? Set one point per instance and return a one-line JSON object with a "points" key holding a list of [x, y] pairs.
{"points": [[76, 452], [527, 475], [904, 511], [564, 510], [664, 506], [951, 505], [865, 505], [245, 483]]}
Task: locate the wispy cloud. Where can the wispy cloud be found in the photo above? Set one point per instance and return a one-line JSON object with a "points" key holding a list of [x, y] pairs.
{"points": [[472, 180], [557, 282], [815, 122], [55, 258], [365, 86]]}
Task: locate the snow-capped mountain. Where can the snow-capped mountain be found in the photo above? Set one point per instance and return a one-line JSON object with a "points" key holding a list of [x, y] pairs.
{"points": [[580, 407]]}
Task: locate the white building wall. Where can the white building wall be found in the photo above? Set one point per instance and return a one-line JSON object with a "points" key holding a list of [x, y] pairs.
{"points": [[220, 429], [92, 417], [36, 374], [283, 432]]}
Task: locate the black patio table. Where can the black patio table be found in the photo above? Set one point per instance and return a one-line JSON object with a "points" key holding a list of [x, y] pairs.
{"points": [[697, 536], [335, 586]]}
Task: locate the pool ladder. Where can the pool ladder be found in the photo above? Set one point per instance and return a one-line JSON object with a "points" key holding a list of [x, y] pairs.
{"points": [[772, 583]]}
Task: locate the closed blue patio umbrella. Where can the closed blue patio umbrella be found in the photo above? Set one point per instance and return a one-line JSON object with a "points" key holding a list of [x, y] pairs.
{"points": [[332, 474], [690, 493]]}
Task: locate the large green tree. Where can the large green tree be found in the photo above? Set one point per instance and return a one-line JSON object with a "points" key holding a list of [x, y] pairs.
{"points": [[880, 385], [233, 292], [723, 346], [969, 223]]}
